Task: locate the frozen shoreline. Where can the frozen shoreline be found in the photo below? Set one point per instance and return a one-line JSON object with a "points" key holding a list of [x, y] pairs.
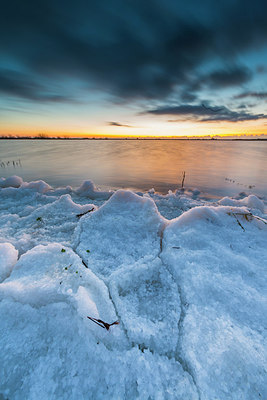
{"points": [[184, 276]]}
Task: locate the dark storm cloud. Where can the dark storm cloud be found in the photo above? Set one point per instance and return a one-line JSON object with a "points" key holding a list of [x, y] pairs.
{"points": [[234, 76], [203, 113], [140, 49], [257, 95], [262, 69], [187, 95], [114, 123]]}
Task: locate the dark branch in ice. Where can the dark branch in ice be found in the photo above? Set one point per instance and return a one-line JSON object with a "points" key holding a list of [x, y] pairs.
{"points": [[86, 212], [103, 324]]}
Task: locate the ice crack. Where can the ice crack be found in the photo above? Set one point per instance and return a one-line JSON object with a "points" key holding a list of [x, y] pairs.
{"points": [[184, 305]]}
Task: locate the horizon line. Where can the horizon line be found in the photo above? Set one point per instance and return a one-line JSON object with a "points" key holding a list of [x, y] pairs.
{"points": [[44, 136]]}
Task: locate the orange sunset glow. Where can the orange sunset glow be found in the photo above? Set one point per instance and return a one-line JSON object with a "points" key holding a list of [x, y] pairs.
{"points": [[157, 130]]}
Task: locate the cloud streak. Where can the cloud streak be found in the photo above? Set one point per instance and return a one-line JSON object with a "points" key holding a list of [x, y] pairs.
{"points": [[118, 124], [257, 95], [202, 113], [14, 83]]}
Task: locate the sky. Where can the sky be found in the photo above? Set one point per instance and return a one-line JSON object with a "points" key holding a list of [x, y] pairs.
{"points": [[133, 67]]}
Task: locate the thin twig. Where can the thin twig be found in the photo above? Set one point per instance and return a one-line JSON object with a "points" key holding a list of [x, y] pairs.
{"points": [[260, 219], [183, 179], [248, 214], [239, 223]]}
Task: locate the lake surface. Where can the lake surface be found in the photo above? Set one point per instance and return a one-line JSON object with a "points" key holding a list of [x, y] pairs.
{"points": [[218, 168]]}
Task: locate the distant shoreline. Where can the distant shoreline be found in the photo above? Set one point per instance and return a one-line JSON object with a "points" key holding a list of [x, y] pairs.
{"points": [[142, 139]]}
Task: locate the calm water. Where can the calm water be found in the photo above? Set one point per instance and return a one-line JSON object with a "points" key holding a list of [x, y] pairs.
{"points": [[216, 167]]}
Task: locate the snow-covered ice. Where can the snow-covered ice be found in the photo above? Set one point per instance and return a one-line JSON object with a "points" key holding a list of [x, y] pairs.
{"points": [[218, 257], [89, 189], [124, 230], [184, 276], [8, 258]]}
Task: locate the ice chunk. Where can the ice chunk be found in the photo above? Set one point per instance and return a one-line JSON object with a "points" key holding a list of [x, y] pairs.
{"points": [[217, 257], [53, 273], [17, 182], [8, 258], [250, 201], [62, 354], [216, 216], [89, 189], [43, 223], [172, 204], [12, 181], [125, 229], [39, 186], [47, 275]]}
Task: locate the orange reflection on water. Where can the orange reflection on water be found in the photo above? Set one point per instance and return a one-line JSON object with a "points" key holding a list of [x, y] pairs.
{"points": [[142, 165]]}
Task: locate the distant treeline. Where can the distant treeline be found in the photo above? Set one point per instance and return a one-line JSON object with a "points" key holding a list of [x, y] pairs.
{"points": [[123, 138]]}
